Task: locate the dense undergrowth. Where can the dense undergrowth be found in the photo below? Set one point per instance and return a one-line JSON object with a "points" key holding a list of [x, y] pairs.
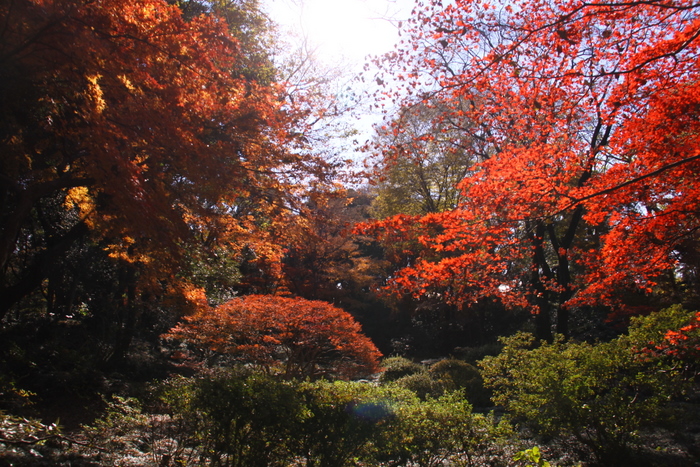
{"points": [[630, 401]]}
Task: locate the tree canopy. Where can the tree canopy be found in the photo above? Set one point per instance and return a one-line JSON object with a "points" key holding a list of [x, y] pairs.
{"points": [[145, 127], [303, 337], [583, 119]]}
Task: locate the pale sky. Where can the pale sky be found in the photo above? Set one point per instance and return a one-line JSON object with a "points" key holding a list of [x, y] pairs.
{"points": [[344, 29], [343, 33]]}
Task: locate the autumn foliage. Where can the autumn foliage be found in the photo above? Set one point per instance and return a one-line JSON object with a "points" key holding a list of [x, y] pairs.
{"points": [[298, 337], [685, 340], [582, 125], [680, 343], [149, 130]]}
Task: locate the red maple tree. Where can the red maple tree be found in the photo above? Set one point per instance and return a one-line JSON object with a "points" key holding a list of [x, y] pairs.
{"points": [[300, 337], [584, 122]]}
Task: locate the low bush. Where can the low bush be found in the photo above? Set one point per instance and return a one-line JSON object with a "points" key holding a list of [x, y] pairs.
{"points": [[589, 391], [455, 374], [398, 367], [342, 418], [440, 431], [422, 384], [602, 394], [239, 418], [236, 417], [669, 342]]}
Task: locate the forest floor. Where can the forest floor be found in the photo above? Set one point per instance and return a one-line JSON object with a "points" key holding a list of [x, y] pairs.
{"points": [[31, 443], [62, 428]]}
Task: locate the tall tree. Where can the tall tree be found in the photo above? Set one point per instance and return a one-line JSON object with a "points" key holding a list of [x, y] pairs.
{"points": [[323, 259], [422, 161], [141, 126], [250, 26], [588, 115]]}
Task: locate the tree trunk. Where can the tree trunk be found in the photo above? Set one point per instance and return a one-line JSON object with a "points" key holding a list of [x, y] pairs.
{"points": [[38, 269], [129, 321]]}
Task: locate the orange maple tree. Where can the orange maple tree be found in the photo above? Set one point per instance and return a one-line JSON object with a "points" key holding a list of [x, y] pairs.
{"points": [[301, 337], [143, 126], [583, 119]]}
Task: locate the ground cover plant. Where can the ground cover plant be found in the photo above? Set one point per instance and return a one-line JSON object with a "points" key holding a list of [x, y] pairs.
{"points": [[242, 417]]}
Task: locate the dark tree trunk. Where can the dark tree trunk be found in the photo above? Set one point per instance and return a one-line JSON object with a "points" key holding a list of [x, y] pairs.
{"points": [[39, 269]]}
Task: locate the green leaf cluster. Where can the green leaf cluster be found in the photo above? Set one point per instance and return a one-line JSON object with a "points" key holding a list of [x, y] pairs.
{"points": [[602, 394], [239, 417]]}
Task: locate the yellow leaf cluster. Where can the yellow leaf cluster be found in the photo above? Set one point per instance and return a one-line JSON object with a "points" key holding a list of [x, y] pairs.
{"points": [[94, 91], [79, 198]]}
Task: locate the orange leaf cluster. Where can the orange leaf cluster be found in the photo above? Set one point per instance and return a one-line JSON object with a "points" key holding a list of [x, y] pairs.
{"points": [[683, 343], [144, 121]]}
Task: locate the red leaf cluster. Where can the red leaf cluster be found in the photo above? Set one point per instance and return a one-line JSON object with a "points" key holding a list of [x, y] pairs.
{"points": [[584, 122], [300, 337]]}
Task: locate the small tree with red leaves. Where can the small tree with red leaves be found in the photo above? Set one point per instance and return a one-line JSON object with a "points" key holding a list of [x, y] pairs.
{"points": [[297, 337]]}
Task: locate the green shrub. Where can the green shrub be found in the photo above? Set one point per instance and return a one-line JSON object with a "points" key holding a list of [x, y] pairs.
{"points": [[651, 339], [439, 431], [572, 388], [398, 367], [121, 426], [342, 418], [422, 384], [600, 393], [241, 418], [350, 423], [532, 457], [248, 419], [456, 374], [238, 418]]}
